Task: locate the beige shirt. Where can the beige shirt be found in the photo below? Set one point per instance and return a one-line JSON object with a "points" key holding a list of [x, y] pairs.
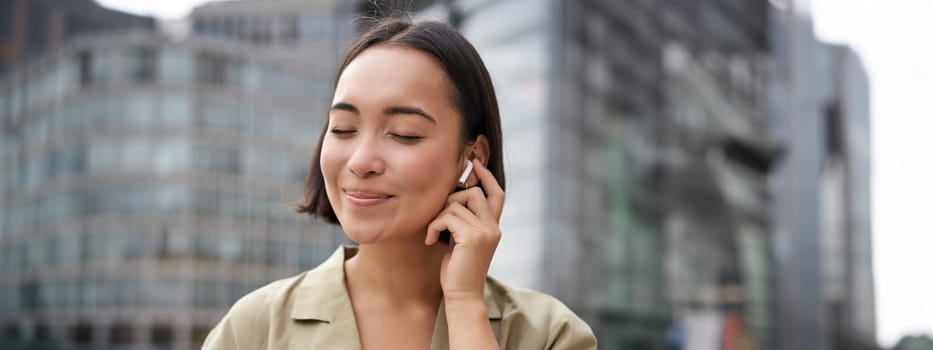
{"points": [[312, 311]]}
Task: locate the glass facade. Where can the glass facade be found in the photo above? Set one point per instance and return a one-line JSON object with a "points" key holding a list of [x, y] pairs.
{"points": [[145, 187], [641, 137], [313, 28], [29, 29], [820, 109], [671, 192]]}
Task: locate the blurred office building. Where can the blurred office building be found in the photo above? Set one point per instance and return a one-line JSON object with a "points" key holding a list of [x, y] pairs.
{"points": [[821, 194], [314, 32], [29, 28], [639, 133], [914, 342], [657, 170], [145, 185]]}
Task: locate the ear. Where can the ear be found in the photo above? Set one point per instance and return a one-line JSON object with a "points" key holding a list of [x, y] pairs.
{"points": [[478, 149]]}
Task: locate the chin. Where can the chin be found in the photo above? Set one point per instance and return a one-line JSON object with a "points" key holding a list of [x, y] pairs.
{"points": [[370, 233], [363, 234]]}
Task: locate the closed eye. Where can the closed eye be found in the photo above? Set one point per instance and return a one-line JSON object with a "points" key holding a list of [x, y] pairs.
{"points": [[338, 132], [406, 138]]}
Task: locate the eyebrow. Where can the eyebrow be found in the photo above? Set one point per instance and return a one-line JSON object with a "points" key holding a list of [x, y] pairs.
{"points": [[388, 111]]}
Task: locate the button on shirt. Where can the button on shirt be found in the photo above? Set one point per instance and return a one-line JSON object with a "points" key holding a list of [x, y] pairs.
{"points": [[312, 311]]}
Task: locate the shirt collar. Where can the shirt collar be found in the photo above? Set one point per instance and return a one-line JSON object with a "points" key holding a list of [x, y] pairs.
{"points": [[322, 294]]}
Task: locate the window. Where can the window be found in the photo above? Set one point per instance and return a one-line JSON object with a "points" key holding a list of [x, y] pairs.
{"points": [[227, 206], [106, 67], [143, 64], [102, 156], [276, 252], [85, 65], [3, 104], [66, 161], [176, 109], [161, 336], [69, 249], [121, 334], [4, 307], [230, 248], [42, 334], [46, 297], [91, 293], [94, 246], [198, 334], [289, 32], [208, 294], [255, 250], [172, 156], [127, 246], [6, 17], [126, 292], [82, 334], [200, 24], [35, 171], [217, 159], [206, 245], [211, 68], [136, 154], [165, 292], [835, 134], [175, 66], [177, 243], [29, 295], [206, 203], [140, 109], [172, 198]]}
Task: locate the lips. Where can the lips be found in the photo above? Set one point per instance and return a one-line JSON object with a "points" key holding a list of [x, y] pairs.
{"points": [[365, 198]]}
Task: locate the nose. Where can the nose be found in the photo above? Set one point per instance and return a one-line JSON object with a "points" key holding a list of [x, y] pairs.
{"points": [[366, 159]]}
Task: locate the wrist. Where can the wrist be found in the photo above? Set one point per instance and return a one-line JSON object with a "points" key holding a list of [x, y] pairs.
{"points": [[463, 297], [469, 325], [465, 304]]}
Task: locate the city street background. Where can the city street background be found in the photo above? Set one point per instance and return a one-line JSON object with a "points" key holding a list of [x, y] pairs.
{"points": [[716, 174]]}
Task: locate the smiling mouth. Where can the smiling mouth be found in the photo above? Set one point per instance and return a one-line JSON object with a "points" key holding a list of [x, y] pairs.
{"points": [[366, 198]]}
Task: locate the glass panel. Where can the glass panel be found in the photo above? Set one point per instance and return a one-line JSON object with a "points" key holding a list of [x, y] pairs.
{"points": [[173, 199], [172, 156], [176, 109], [140, 109], [136, 154], [175, 66], [102, 156], [179, 243], [106, 67], [142, 64]]}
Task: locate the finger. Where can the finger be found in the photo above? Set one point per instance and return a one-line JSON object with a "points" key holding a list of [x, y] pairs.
{"points": [[463, 213], [434, 230], [445, 221], [473, 199], [494, 194]]}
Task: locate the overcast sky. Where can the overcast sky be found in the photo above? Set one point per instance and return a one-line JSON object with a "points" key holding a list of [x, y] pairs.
{"points": [[893, 38]]}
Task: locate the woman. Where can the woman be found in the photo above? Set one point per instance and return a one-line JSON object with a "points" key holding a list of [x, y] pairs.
{"points": [[413, 110]]}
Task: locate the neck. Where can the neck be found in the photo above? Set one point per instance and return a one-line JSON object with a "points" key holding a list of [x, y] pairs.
{"points": [[403, 272]]}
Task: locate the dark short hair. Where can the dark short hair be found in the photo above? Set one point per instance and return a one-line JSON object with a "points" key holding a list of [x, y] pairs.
{"points": [[472, 93]]}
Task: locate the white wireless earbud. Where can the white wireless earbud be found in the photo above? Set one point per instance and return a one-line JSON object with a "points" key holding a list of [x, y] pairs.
{"points": [[466, 173]]}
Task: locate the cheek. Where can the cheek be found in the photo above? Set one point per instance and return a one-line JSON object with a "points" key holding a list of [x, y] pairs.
{"points": [[331, 162], [431, 170]]}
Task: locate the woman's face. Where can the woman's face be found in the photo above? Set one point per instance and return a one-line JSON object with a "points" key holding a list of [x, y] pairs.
{"points": [[391, 153]]}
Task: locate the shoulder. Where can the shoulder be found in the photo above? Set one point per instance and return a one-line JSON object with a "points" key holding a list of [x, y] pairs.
{"points": [[246, 324], [535, 315], [269, 309]]}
